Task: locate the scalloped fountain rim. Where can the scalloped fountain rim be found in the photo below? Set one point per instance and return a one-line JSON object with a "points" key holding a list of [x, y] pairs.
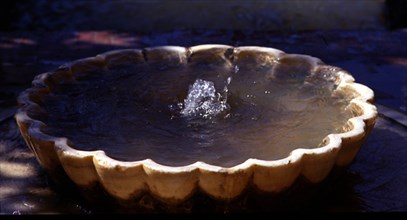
{"points": [[174, 184]]}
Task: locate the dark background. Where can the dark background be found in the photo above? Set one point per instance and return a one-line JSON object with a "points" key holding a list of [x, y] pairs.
{"points": [[121, 15], [346, 33]]}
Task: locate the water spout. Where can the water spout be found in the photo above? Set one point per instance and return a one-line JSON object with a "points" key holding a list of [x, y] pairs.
{"points": [[204, 101]]}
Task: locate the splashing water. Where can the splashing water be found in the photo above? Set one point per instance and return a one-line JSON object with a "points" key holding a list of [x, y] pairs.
{"points": [[203, 100]]}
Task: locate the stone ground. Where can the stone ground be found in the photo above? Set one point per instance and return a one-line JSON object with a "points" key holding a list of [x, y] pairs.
{"points": [[374, 182]]}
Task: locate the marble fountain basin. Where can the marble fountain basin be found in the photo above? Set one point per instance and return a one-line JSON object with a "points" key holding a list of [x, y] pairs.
{"points": [[170, 121]]}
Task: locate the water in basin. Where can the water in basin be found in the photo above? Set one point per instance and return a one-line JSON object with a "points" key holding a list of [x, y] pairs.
{"points": [[179, 114]]}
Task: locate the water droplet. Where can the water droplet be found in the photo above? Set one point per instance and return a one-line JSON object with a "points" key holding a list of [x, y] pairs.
{"points": [[267, 92], [229, 80], [28, 205], [236, 69]]}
